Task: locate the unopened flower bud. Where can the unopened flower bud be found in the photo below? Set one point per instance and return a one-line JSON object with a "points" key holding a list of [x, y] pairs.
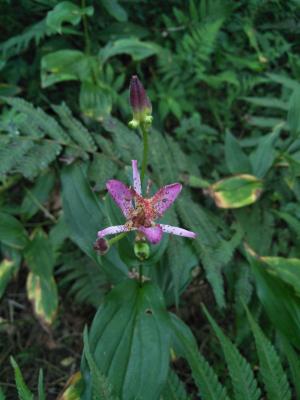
{"points": [[140, 104], [101, 245], [142, 250]]}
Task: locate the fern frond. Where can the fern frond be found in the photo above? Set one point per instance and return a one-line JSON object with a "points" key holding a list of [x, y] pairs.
{"points": [[213, 251], [271, 370], [294, 363], [19, 43], [85, 281], [174, 388], [126, 142], [242, 377], [101, 388], [203, 374], [11, 151], [75, 128]]}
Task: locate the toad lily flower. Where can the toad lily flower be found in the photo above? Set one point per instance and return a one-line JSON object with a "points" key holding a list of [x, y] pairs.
{"points": [[140, 212]]}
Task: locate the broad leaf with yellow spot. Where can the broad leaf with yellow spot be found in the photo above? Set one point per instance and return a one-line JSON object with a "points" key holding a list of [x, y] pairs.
{"points": [[236, 191], [42, 292]]}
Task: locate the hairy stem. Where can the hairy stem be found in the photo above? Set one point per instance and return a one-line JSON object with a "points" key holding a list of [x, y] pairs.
{"points": [[145, 151], [116, 238]]}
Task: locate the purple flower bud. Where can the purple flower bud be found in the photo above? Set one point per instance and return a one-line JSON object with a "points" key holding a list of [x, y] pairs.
{"points": [[139, 101], [101, 245]]}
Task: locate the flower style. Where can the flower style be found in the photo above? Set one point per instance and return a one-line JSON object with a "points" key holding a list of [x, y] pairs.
{"points": [[140, 212]]}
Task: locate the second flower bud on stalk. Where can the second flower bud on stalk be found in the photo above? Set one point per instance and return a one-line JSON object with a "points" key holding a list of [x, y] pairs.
{"points": [[140, 105]]}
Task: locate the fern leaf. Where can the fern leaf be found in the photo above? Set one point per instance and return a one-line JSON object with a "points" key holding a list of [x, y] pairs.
{"points": [[37, 158], [294, 363], [203, 374], [23, 391], [208, 244], [11, 151], [126, 142], [19, 43], [85, 281], [101, 389], [242, 377], [38, 123], [174, 388], [76, 130], [271, 370]]}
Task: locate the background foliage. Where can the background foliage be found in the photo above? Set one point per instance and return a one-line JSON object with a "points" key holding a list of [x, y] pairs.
{"points": [[223, 78]]}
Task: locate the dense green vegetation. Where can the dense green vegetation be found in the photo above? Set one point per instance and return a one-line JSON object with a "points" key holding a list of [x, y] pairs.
{"points": [[215, 317]]}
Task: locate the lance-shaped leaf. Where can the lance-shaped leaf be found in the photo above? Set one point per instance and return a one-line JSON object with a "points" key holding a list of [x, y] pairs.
{"points": [[83, 214], [12, 232], [66, 11], [7, 268], [129, 341], [41, 286], [278, 290], [236, 191]]}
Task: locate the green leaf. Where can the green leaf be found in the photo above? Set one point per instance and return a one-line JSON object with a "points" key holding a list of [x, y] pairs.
{"points": [[204, 376], [23, 390], [12, 232], [114, 8], [95, 101], [236, 191], [35, 197], [7, 269], [279, 298], [263, 157], [134, 47], [74, 388], [66, 12], [129, 340], [41, 386], [293, 116], [242, 376], [174, 388], [100, 387], [271, 370], [294, 362], [66, 65], [42, 292], [236, 160], [85, 217], [2, 395], [39, 255], [41, 287]]}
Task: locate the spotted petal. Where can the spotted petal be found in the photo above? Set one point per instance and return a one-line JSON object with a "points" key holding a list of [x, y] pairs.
{"points": [[153, 234], [136, 178], [165, 197], [121, 194], [112, 230], [174, 230]]}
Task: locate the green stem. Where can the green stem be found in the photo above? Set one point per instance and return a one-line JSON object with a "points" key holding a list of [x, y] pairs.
{"points": [[141, 275], [117, 238], [145, 151]]}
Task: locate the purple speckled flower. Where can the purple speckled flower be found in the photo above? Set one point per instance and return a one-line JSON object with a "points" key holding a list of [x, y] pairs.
{"points": [[140, 212]]}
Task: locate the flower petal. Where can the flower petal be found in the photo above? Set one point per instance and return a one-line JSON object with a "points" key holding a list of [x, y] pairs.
{"points": [[111, 230], [121, 194], [165, 197], [136, 178], [153, 234], [174, 230]]}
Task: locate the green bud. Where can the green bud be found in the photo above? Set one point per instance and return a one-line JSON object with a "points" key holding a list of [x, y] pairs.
{"points": [[142, 250]]}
